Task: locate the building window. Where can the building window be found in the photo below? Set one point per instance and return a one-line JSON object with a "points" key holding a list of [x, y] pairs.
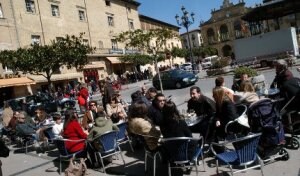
{"points": [[129, 9], [110, 20], [55, 10], [59, 39], [85, 41], [131, 25], [107, 3], [30, 7], [81, 14], [114, 44], [100, 44], [35, 39], [1, 12]]}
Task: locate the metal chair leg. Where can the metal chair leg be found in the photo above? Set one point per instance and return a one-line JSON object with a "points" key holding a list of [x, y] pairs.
{"points": [[102, 163], [196, 167], [59, 165], [217, 166], [146, 161], [169, 169], [231, 170], [154, 164]]}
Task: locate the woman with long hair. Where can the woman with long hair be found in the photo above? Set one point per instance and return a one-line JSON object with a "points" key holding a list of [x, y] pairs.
{"points": [[140, 124], [73, 131], [225, 110]]}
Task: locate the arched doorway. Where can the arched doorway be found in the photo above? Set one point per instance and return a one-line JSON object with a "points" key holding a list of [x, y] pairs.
{"points": [[227, 50], [210, 36], [237, 25], [224, 34]]}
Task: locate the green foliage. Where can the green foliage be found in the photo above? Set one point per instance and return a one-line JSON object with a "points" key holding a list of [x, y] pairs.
{"points": [[137, 59], [179, 52], [220, 63], [44, 60], [244, 70]]}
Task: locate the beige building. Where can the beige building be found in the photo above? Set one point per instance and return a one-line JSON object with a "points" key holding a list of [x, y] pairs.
{"points": [[24, 22], [148, 23], [224, 26]]}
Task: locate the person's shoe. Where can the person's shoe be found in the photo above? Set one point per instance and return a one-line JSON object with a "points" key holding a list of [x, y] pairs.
{"points": [[36, 144]]}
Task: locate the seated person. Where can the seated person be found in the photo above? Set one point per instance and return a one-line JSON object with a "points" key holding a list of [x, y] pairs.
{"points": [[237, 84], [140, 124], [225, 111], [203, 106], [90, 115], [221, 83], [41, 118], [7, 114], [24, 129], [175, 126], [58, 126], [246, 95], [73, 131], [155, 109], [101, 126], [115, 111]]}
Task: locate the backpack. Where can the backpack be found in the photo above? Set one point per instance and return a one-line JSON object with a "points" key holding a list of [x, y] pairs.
{"points": [[76, 169]]}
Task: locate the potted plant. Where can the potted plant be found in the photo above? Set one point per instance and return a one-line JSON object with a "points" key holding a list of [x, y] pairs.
{"points": [[221, 66]]}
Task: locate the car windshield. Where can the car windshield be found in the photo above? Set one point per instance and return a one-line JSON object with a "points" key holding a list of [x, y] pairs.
{"points": [[206, 60], [178, 72]]}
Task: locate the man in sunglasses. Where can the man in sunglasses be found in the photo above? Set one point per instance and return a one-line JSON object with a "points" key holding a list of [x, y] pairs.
{"points": [[91, 114]]}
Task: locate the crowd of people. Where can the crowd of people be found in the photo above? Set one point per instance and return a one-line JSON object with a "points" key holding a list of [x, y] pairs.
{"points": [[151, 115]]}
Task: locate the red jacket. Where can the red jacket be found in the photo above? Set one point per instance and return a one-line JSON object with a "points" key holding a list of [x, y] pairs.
{"points": [[74, 131], [84, 92], [81, 101]]}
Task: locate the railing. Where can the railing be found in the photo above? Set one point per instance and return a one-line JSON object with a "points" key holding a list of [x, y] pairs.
{"points": [[116, 51]]}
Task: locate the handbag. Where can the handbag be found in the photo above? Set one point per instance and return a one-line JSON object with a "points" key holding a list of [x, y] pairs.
{"points": [[4, 152], [76, 169]]}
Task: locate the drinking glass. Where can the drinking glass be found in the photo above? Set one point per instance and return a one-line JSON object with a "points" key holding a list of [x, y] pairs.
{"points": [[275, 85]]}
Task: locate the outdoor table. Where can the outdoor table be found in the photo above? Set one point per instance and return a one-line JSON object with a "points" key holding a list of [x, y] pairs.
{"points": [[269, 93], [193, 119]]}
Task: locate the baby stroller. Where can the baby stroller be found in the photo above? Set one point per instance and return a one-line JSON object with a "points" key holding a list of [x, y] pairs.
{"points": [[291, 110], [264, 117]]}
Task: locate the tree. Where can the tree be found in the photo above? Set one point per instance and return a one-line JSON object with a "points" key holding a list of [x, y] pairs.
{"points": [[150, 42], [44, 60]]}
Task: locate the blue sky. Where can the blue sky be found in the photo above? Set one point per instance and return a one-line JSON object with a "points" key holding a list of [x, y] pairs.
{"points": [[165, 10]]}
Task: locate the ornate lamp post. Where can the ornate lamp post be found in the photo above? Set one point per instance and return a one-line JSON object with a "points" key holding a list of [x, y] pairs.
{"points": [[186, 21]]}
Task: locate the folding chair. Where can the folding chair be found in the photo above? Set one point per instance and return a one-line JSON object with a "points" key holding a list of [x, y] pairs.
{"points": [[178, 156], [109, 147], [242, 154], [122, 136]]}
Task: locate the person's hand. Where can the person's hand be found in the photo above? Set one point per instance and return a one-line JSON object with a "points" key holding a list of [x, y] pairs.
{"points": [[218, 123], [86, 132]]}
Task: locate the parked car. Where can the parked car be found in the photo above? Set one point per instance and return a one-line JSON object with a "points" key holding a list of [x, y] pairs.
{"points": [[175, 78], [186, 66], [208, 61]]}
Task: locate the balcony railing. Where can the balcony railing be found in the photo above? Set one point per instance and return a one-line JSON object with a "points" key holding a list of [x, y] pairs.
{"points": [[116, 51]]}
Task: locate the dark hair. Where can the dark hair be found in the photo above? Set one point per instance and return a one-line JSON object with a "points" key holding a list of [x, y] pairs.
{"points": [[56, 116], [136, 95], [155, 100], [219, 81], [93, 101], [170, 112], [70, 115], [138, 109], [195, 87], [41, 108], [152, 89]]}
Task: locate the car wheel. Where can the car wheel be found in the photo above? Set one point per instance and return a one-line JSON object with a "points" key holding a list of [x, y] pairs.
{"points": [[178, 85]]}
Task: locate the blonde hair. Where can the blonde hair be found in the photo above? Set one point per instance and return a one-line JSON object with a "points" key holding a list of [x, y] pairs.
{"points": [[247, 86]]}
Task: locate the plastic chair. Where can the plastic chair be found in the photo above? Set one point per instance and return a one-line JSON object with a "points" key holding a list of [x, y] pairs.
{"points": [[241, 120], [122, 136], [242, 154], [109, 147], [178, 156], [63, 152]]}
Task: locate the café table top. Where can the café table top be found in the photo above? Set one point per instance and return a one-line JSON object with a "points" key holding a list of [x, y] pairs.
{"points": [[193, 120], [269, 92]]}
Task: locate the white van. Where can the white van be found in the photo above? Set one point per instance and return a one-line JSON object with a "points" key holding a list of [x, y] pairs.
{"points": [[207, 62]]}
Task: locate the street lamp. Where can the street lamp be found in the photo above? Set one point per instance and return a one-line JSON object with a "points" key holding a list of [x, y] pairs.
{"points": [[186, 21]]}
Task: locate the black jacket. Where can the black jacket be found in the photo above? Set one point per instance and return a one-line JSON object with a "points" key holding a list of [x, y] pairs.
{"points": [[203, 106], [155, 115]]}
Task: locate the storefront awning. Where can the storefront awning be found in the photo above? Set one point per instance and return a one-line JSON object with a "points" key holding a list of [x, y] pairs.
{"points": [[56, 77], [114, 60], [15, 82], [94, 65]]}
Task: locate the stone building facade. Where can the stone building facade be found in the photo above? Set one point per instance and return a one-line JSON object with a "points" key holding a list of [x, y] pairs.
{"points": [[148, 23], [24, 22], [224, 26]]}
